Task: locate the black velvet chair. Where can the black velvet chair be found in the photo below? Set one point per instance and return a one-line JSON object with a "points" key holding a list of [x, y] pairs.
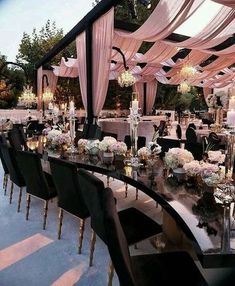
{"points": [[166, 143], [70, 199], [14, 139], [161, 127], [4, 165], [9, 155], [163, 269], [22, 135], [37, 184], [214, 141], [191, 136], [114, 135], [141, 142], [137, 226], [195, 148], [178, 132]]}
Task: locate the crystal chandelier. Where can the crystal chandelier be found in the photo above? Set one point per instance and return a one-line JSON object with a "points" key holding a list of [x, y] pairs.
{"points": [[28, 98], [47, 95], [184, 87], [187, 71], [126, 79]]}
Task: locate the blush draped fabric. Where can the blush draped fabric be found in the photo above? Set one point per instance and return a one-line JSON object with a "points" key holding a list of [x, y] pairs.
{"points": [[169, 16], [39, 87], [206, 92], [81, 65], [151, 95], [229, 3], [101, 54]]}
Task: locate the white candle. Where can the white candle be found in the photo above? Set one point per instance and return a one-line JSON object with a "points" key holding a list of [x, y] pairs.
{"points": [[231, 118], [50, 106], [232, 103], [71, 108], [135, 106]]}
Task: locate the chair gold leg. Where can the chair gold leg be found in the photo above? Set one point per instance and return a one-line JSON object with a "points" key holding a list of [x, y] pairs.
{"points": [[136, 194], [81, 233], [11, 192], [5, 186], [28, 206], [45, 214], [92, 247], [126, 190], [19, 199], [61, 215], [110, 273]]}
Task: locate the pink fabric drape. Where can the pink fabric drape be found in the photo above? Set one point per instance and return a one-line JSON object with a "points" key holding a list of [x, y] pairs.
{"points": [[229, 3], [218, 30], [52, 79], [169, 16], [39, 87], [139, 88], [206, 92], [81, 65], [151, 95], [102, 48]]}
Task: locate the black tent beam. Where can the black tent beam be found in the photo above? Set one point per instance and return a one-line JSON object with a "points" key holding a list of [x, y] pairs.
{"points": [[88, 20]]}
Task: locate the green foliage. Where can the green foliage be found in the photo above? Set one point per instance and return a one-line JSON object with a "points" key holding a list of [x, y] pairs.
{"points": [[33, 47]]}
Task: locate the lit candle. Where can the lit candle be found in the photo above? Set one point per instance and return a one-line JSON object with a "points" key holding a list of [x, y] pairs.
{"points": [[231, 118], [71, 108], [50, 106], [135, 106]]}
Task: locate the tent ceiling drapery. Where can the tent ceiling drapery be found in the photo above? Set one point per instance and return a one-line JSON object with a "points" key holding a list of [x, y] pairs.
{"points": [[163, 60], [219, 29]]}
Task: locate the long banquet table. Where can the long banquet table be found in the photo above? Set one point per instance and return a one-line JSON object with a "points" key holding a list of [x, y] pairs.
{"points": [[200, 219]]}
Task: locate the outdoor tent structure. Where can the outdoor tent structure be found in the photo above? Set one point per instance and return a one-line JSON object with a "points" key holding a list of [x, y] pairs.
{"points": [[211, 50]]}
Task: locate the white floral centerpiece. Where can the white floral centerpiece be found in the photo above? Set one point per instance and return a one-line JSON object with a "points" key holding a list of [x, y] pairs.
{"points": [[92, 146], [106, 143], [217, 100], [216, 157], [118, 148], [210, 174], [82, 145], [144, 152], [57, 139], [177, 157]]}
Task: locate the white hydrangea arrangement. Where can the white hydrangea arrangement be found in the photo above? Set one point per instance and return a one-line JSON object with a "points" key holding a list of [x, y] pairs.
{"points": [[219, 99], [210, 174], [216, 157], [106, 143], [118, 148], [144, 152], [177, 157], [82, 142], [56, 138]]}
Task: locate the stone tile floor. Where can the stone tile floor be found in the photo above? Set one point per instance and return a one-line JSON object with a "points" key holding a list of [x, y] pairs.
{"points": [[31, 256]]}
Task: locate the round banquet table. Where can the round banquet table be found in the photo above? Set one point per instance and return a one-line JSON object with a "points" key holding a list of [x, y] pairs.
{"points": [[203, 225]]}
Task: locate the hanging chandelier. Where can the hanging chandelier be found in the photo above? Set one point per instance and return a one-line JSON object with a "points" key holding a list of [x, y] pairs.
{"points": [[47, 95], [28, 98], [184, 87], [126, 79], [187, 71]]}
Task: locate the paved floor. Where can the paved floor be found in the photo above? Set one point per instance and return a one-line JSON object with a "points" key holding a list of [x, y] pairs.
{"points": [[30, 256]]}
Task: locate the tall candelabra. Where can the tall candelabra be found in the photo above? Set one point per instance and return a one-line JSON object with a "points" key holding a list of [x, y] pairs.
{"points": [[134, 119], [72, 126]]}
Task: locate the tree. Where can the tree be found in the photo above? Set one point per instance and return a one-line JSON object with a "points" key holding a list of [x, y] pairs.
{"points": [[33, 47]]}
